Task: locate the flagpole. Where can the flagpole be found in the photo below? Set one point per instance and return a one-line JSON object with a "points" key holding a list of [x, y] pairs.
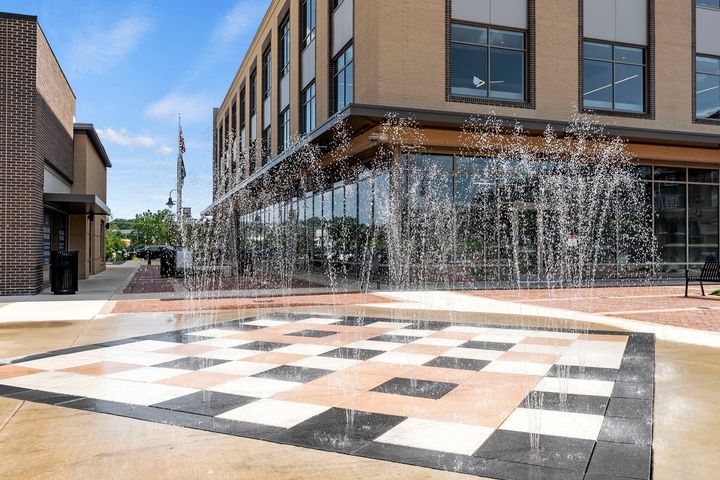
{"points": [[180, 180]]}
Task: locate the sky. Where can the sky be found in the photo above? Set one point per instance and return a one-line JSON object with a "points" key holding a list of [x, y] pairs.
{"points": [[134, 65]]}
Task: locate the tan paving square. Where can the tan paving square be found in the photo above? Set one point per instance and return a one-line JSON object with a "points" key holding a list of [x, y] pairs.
{"points": [[199, 380], [188, 349], [12, 371], [100, 368], [274, 357], [546, 358], [319, 394]]}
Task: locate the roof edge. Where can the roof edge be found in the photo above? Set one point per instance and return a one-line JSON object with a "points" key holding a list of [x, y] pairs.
{"points": [[89, 130]]}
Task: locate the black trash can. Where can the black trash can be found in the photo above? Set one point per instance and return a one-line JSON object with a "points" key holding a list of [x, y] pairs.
{"points": [[167, 262], [64, 272]]}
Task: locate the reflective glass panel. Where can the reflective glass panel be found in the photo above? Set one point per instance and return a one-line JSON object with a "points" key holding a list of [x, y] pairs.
{"points": [[507, 74], [703, 222], [365, 202], [382, 199], [702, 175], [507, 39], [629, 88], [469, 71], [629, 55], [707, 65], [597, 51], [670, 174], [670, 221], [469, 34], [597, 84], [707, 98]]}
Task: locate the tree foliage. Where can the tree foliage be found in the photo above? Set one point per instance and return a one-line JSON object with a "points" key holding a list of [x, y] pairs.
{"points": [[154, 228]]}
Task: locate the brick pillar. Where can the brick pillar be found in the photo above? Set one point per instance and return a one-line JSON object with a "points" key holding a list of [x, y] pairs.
{"points": [[21, 171]]}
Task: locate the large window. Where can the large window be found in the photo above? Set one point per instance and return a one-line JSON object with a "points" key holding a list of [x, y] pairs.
{"points": [[284, 138], [266, 145], [285, 48], [343, 79], [308, 109], [487, 62], [708, 3], [267, 73], [253, 122], [613, 77], [307, 11], [707, 88]]}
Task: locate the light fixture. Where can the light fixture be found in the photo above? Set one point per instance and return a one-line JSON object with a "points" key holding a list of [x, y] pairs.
{"points": [[170, 203]]}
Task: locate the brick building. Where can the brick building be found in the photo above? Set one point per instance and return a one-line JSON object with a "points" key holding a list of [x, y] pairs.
{"points": [[53, 171], [649, 69]]}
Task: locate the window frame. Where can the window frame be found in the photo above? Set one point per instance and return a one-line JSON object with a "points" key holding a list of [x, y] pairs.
{"points": [[711, 7], [306, 130], [702, 120], [284, 134], [306, 37], [488, 47], [336, 73], [267, 73], [284, 46], [613, 62]]}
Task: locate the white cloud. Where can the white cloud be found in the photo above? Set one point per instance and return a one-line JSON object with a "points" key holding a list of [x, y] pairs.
{"points": [[194, 107], [96, 50], [122, 137], [239, 20], [164, 149]]}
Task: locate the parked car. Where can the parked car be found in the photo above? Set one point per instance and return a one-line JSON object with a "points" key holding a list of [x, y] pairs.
{"points": [[153, 252], [140, 252]]}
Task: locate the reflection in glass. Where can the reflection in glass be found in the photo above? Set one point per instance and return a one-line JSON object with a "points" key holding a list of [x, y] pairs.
{"points": [[629, 88], [670, 221], [507, 74], [703, 222], [365, 202], [597, 84], [469, 70]]}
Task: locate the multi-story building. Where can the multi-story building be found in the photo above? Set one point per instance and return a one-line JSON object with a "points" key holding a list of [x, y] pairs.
{"points": [[53, 170], [649, 70]]}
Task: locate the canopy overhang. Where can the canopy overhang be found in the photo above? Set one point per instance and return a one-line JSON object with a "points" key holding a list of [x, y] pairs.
{"points": [[75, 203]]}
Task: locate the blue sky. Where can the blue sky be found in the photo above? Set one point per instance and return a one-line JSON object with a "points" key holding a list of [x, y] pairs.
{"points": [[134, 65]]}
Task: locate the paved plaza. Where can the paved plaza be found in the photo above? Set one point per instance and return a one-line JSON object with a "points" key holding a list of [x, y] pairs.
{"points": [[396, 384]]}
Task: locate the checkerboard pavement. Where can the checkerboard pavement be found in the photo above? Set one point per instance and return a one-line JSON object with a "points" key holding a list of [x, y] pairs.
{"points": [[454, 397]]}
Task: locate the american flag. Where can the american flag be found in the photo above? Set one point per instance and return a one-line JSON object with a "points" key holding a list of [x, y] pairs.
{"points": [[182, 142]]}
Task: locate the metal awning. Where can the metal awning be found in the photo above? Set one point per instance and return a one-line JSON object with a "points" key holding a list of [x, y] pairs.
{"points": [[76, 203]]}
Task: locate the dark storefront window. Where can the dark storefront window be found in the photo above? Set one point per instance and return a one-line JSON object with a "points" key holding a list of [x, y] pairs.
{"points": [[613, 77], [707, 88], [670, 221]]}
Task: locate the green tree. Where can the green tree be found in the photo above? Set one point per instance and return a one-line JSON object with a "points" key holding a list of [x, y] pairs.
{"points": [[154, 228], [113, 242]]}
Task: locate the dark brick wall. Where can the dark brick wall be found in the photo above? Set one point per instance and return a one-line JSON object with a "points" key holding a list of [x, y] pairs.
{"points": [[21, 171]]}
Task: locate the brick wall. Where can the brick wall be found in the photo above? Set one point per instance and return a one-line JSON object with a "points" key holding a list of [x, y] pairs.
{"points": [[21, 207], [56, 109]]}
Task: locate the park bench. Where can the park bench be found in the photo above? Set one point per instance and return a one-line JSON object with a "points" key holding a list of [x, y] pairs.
{"points": [[710, 273]]}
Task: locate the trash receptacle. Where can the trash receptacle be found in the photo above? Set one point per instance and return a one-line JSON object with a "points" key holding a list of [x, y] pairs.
{"points": [[183, 261], [63, 272], [167, 262]]}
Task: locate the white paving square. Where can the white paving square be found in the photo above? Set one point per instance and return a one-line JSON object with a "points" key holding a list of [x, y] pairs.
{"points": [[147, 374], [213, 332], [441, 342], [222, 342], [320, 320], [402, 358], [466, 329], [230, 354], [240, 368], [519, 368], [266, 322], [45, 380], [441, 436], [532, 348], [408, 332], [594, 354], [600, 388], [255, 387], [500, 335], [375, 345], [147, 358], [277, 413], [326, 363], [305, 349], [548, 422], [147, 345], [390, 325], [473, 353]]}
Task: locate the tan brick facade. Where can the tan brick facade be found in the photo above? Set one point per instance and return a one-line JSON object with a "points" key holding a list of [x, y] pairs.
{"points": [[401, 50]]}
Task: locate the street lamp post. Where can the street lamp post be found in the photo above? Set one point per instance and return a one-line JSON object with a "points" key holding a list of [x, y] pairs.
{"points": [[170, 204]]}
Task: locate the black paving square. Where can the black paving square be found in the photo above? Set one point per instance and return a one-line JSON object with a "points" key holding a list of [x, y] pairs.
{"points": [[458, 363], [637, 431], [428, 325], [340, 430], [487, 345], [206, 403], [552, 451], [582, 373], [352, 353], [176, 337], [39, 396], [415, 388], [312, 333], [291, 373], [621, 459], [191, 363], [262, 346], [394, 338], [587, 404], [629, 408], [642, 391]]}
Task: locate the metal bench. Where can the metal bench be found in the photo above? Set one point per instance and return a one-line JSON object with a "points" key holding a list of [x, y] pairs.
{"points": [[710, 273]]}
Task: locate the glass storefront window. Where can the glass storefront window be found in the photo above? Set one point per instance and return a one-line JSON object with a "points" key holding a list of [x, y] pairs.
{"points": [[382, 199], [702, 223], [670, 174], [702, 175], [670, 221], [365, 202]]}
